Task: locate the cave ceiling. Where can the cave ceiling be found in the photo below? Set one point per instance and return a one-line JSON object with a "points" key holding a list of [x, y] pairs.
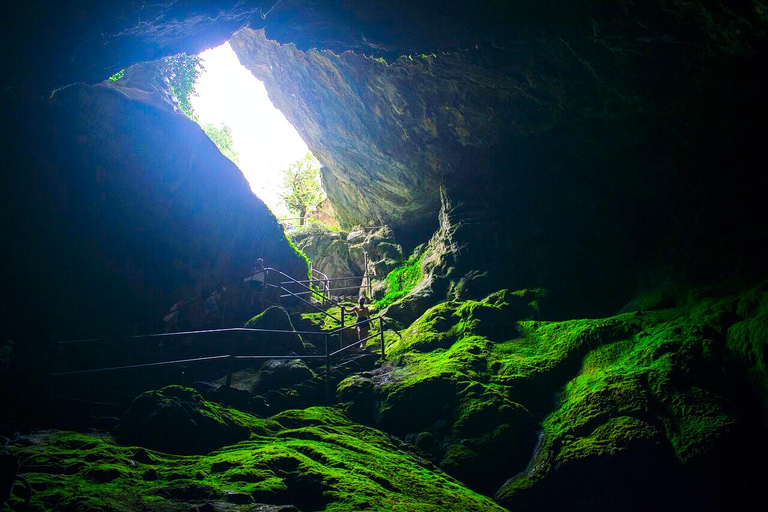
{"points": [[598, 126]]}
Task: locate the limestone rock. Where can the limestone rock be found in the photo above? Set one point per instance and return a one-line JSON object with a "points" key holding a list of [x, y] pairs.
{"points": [[278, 319], [327, 250], [278, 374], [132, 207], [178, 420]]}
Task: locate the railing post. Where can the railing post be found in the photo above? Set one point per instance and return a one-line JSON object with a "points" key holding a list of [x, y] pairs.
{"points": [[341, 332], [327, 373], [381, 336], [231, 365]]}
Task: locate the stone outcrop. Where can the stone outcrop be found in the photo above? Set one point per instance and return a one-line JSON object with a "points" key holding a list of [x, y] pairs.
{"points": [[115, 205], [576, 129], [340, 254], [641, 411], [178, 420], [328, 251], [579, 155], [398, 128]]}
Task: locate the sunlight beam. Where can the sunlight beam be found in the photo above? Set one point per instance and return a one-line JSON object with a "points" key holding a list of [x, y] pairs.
{"points": [[266, 142]]}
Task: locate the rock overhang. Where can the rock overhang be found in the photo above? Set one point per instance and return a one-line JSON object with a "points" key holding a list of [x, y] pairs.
{"points": [[560, 123]]}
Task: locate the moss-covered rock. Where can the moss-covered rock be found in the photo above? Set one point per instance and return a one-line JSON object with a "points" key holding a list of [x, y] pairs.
{"points": [[625, 404], [277, 374], [273, 318], [178, 420], [314, 459]]}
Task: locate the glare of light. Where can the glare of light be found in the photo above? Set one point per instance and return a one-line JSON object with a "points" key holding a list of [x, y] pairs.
{"points": [[264, 139]]}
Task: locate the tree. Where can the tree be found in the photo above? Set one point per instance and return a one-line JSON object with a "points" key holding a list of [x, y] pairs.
{"points": [[182, 71], [222, 137], [302, 191]]}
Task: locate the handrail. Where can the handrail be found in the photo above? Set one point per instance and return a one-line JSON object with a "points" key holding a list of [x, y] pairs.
{"points": [[330, 279], [290, 293], [143, 365], [351, 346], [189, 333], [234, 356], [301, 284], [369, 321], [322, 274], [324, 281]]}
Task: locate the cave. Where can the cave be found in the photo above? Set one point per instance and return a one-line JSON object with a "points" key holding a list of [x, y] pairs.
{"points": [[579, 190]]}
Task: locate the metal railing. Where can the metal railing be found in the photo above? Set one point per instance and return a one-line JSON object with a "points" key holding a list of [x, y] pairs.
{"points": [[235, 348], [319, 278], [324, 282]]}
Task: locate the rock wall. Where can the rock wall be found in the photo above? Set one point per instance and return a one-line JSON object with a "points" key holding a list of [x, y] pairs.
{"points": [[115, 205], [591, 159], [601, 145]]}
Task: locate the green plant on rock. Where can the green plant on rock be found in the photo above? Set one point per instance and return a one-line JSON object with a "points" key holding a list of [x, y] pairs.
{"points": [[117, 76], [639, 389], [400, 281], [222, 137], [182, 71]]}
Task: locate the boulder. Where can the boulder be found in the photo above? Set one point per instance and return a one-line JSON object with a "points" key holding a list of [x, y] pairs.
{"points": [[274, 318], [178, 420], [278, 374]]}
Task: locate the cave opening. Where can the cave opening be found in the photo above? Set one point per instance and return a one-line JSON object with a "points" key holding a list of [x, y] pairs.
{"points": [[235, 111]]}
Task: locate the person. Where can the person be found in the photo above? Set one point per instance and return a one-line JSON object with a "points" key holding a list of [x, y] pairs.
{"points": [[363, 321], [256, 283], [212, 310], [172, 318]]}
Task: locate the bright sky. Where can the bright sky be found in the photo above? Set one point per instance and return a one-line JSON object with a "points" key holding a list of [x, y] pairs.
{"points": [[266, 142]]}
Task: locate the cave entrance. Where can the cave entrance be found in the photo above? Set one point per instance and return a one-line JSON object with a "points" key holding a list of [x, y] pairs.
{"points": [[234, 109]]}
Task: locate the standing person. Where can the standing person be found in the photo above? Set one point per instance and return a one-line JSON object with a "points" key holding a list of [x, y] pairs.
{"points": [[363, 321], [172, 319], [212, 311], [255, 283]]}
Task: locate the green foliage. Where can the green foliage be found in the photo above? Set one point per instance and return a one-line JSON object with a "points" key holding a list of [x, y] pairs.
{"points": [[315, 458], [302, 191], [117, 76], [401, 281], [222, 137], [630, 384], [302, 255], [182, 71], [313, 227]]}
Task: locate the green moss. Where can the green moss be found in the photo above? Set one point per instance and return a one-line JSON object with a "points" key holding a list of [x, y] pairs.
{"points": [[302, 255], [117, 76], [316, 459], [656, 382], [401, 281]]}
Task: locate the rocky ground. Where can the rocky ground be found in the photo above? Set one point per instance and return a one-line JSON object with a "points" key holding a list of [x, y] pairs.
{"points": [[475, 403]]}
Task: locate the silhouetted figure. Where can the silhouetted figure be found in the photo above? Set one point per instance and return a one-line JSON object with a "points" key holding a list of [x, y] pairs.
{"points": [[363, 322], [173, 318], [212, 318], [254, 293]]}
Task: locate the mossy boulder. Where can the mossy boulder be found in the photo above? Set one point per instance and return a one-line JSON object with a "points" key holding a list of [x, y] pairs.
{"points": [[439, 390], [278, 374], [313, 459], [268, 343], [624, 406], [178, 420]]}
